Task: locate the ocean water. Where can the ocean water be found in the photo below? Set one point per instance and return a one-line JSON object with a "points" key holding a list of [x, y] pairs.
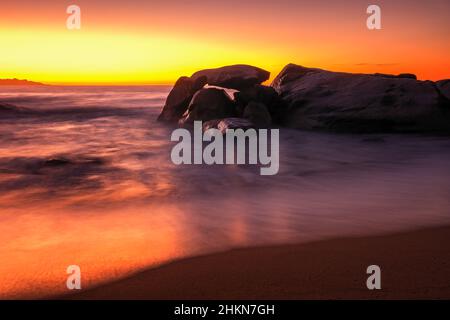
{"points": [[86, 179]]}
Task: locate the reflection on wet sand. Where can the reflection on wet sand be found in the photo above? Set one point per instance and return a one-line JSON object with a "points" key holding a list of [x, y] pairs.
{"points": [[104, 245]]}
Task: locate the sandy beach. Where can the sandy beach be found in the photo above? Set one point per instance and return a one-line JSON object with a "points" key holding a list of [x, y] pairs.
{"points": [[158, 151], [414, 265]]}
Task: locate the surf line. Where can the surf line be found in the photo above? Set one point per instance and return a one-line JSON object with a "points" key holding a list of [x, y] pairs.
{"points": [[191, 150]]}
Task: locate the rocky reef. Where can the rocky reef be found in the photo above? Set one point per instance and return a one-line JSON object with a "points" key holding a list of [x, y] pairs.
{"points": [[309, 99]]}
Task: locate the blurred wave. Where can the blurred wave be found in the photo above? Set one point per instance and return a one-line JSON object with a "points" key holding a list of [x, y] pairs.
{"points": [[86, 178]]}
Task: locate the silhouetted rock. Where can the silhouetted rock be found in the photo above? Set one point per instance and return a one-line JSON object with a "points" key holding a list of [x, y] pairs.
{"points": [[257, 93], [444, 87], [258, 114], [407, 76], [262, 94], [229, 123], [208, 104], [179, 98], [319, 99], [236, 77], [401, 75]]}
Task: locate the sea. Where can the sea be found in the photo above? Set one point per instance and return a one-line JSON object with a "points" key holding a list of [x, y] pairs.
{"points": [[86, 179]]}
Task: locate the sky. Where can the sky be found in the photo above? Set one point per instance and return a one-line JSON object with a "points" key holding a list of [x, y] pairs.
{"points": [[156, 41]]}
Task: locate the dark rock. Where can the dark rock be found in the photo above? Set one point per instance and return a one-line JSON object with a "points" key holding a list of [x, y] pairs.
{"points": [[208, 104], [56, 162], [229, 123], [407, 76], [290, 73], [262, 94], [236, 77], [179, 98], [319, 99], [259, 93], [7, 109], [444, 87], [199, 83], [258, 114], [401, 75], [63, 161]]}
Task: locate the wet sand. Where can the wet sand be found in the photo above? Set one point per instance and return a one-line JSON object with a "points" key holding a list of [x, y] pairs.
{"points": [[414, 265]]}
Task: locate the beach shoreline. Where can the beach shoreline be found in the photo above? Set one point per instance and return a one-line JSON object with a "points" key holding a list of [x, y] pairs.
{"points": [[414, 265]]}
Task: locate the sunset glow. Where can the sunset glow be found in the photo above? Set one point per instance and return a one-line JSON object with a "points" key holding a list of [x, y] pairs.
{"points": [[154, 42], [194, 153]]}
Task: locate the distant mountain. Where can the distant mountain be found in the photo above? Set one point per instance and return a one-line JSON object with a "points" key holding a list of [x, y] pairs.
{"points": [[18, 82]]}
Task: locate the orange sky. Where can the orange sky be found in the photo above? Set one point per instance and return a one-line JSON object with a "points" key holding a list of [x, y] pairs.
{"points": [[127, 42]]}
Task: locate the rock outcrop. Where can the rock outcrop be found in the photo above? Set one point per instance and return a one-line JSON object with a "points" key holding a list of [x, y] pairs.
{"points": [[444, 87], [265, 95], [236, 77], [337, 101], [258, 93], [401, 75], [254, 105], [179, 98], [208, 104], [311, 99], [258, 114]]}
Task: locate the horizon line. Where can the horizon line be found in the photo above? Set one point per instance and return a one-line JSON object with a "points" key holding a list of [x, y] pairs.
{"points": [[91, 84]]}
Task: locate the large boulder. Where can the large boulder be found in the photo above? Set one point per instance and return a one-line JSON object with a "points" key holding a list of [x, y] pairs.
{"points": [[208, 104], [444, 87], [258, 114], [319, 99], [179, 98], [257, 93], [236, 77], [261, 94]]}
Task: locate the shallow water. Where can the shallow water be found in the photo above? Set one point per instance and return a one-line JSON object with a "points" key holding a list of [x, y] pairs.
{"points": [[113, 202]]}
